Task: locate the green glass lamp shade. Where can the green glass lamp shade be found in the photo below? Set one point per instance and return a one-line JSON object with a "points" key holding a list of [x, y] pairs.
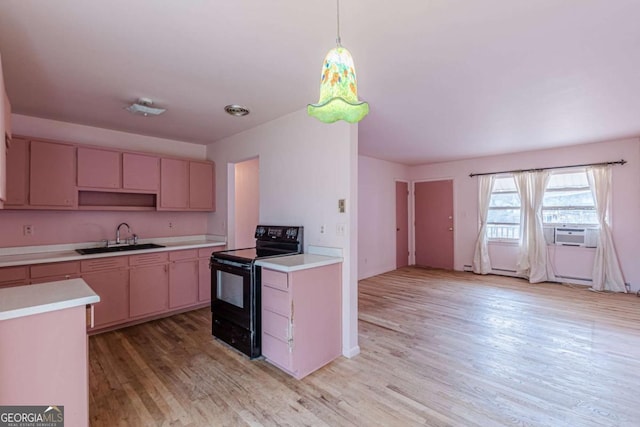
{"points": [[338, 90]]}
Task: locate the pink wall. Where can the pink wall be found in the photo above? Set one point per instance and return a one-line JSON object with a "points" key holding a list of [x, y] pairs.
{"points": [[377, 214], [56, 227], [625, 209], [247, 203]]}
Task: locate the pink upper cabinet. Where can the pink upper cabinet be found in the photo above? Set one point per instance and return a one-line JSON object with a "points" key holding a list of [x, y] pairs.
{"points": [[17, 173], [53, 175], [174, 184], [99, 168], [201, 185], [140, 172]]}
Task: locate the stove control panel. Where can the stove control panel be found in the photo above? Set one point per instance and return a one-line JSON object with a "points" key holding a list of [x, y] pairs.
{"points": [[277, 232]]}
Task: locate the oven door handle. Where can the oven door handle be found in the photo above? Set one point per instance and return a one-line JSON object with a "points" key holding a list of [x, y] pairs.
{"points": [[223, 262]]}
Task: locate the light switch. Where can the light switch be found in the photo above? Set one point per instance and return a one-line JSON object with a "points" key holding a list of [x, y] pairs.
{"points": [[342, 205]]}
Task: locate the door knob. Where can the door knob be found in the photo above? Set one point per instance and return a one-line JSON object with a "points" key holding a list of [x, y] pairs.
{"points": [[397, 229], [450, 228]]}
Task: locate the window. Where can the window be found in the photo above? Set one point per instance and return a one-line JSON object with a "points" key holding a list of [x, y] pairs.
{"points": [[568, 200], [503, 219]]}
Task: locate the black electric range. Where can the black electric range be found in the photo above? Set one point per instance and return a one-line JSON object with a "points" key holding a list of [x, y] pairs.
{"points": [[235, 285]]}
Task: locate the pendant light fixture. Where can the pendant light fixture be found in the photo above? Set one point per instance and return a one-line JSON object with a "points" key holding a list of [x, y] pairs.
{"points": [[338, 87]]}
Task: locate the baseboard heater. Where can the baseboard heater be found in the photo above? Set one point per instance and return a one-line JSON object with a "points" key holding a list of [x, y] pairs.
{"points": [[503, 269], [574, 278]]}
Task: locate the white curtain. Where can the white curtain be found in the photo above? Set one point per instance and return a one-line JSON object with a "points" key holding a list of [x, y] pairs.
{"points": [[607, 275], [481, 260], [532, 254]]}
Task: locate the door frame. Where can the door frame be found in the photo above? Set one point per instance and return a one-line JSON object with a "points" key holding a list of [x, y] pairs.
{"points": [[412, 214], [410, 231]]}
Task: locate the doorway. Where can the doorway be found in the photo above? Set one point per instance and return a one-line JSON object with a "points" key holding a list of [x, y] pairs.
{"points": [[434, 224], [246, 202], [402, 224]]}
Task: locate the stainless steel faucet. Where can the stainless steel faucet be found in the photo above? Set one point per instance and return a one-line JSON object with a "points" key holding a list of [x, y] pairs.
{"points": [[118, 231]]}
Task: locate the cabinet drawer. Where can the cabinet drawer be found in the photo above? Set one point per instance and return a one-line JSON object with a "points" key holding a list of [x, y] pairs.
{"points": [[13, 274], [274, 279], [153, 258], [275, 300], [98, 264], [186, 254], [206, 252], [54, 278], [276, 351], [275, 325], [59, 269]]}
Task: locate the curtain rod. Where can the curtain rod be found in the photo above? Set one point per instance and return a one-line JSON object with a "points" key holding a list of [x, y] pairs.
{"points": [[619, 162]]}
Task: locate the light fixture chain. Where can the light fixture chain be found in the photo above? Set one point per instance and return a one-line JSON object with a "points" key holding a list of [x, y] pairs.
{"points": [[338, 40]]}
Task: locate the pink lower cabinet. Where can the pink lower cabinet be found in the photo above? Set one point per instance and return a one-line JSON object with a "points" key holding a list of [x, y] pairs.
{"points": [[183, 278], [301, 318], [109, 278], [148, 284], [204, 273]]}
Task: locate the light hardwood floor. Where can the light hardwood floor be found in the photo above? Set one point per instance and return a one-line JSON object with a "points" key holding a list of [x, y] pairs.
{"points": [[437, 349]]}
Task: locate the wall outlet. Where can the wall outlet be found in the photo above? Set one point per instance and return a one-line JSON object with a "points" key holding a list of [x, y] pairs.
{"points": [[171, 225], [322, 228], [27, 230]]}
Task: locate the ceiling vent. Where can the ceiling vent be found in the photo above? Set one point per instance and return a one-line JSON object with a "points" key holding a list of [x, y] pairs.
{"points": [[143, 107], [236, 110]]}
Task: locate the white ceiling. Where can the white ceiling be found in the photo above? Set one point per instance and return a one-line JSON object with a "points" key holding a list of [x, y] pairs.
{"points": [[445, 79]]}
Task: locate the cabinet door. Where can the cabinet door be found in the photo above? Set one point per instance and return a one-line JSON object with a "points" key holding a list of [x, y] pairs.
{"points": [[204, 280], [148, 290], [113, 288], [201, 186], [183, 283], [7, 115], [13, 276], [140, 172], [52, 175], [99, 168], [17, 173], [174, 184]]}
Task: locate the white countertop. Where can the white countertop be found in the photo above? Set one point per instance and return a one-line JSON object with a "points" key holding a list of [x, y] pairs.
{"points": [[291, 263], [57, 253], [20, 301]]}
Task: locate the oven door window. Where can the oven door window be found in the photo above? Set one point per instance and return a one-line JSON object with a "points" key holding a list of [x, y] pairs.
{"points": [[230, 288]]}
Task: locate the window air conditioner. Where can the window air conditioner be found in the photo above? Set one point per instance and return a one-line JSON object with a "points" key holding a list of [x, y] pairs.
{"points": [[575, 236]]}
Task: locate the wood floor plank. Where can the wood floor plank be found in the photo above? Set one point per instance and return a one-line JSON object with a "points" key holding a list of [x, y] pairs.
{"points": [[437, 349]]}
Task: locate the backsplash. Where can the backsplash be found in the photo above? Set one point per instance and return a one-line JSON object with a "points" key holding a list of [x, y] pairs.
{"points": [[58, 227]]}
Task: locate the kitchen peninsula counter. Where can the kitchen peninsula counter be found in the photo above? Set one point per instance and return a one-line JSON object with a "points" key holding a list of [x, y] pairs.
{"points": [[291, 263], [20, 301]]}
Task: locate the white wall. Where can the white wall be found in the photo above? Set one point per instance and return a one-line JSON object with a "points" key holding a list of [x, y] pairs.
{"points": [[305, 167], [377, 214], [80, 134]]}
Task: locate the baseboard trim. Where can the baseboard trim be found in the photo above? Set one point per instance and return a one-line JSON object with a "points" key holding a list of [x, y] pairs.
{"points": [[352, 352]]}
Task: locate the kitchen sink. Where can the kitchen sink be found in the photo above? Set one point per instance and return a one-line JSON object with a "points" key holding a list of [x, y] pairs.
{"points": [[123, 248]]}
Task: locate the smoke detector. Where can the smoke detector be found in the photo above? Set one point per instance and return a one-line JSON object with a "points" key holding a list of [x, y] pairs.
{"points": [[143, 107]]}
